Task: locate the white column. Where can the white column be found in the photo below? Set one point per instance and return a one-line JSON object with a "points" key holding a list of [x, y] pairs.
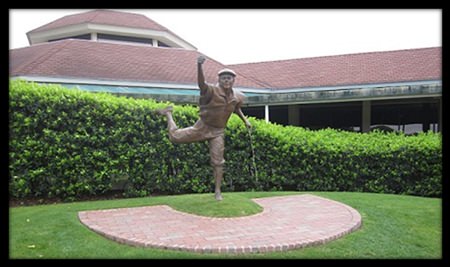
{"points": [[155, 42], [366, 114], [93, 36], [266, 112]]}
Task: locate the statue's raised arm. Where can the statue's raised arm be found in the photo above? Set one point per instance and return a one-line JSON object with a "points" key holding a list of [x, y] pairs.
{"points": [[200, 76]]}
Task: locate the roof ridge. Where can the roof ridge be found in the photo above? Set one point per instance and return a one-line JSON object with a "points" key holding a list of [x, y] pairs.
{"points": [[95, 14], [58, 47]]}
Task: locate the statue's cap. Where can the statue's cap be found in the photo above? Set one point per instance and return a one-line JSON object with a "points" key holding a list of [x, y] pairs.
{"points": [[226, 71]]}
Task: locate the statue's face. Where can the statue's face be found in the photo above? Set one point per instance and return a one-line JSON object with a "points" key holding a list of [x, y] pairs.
{"points": [[226, 81]]}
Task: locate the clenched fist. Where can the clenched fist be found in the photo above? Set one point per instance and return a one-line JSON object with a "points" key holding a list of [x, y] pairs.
{"points": [[201, 59]]}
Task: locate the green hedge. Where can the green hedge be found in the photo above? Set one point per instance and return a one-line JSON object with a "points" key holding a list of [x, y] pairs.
{"points": [[67, 143]]}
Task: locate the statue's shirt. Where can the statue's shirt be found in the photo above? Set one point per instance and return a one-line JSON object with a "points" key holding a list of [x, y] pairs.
{"points": [[216, 106]]}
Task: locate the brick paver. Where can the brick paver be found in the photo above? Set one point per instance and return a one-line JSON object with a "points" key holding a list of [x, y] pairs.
{"points": [[287, 222]]}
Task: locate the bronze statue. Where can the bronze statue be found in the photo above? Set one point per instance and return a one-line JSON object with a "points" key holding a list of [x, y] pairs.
{"points": [[216, 105]]}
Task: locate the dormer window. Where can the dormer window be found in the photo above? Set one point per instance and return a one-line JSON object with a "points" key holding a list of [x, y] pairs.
{"points": [[123, 39], [82, 36], [162, 44]]}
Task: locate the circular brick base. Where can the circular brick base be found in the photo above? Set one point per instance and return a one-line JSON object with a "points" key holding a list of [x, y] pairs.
{"points": [[287, 222]]}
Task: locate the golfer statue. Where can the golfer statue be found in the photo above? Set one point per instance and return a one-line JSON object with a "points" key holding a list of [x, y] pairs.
{"points": [[217, 102]]}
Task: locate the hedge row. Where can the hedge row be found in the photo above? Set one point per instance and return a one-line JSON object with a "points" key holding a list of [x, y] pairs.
{"points": [[68, 144]]}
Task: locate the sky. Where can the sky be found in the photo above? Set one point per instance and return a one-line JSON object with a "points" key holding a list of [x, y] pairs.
{"points": [[236, 36]]}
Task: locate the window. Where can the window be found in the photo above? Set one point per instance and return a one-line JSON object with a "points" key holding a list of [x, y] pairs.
{"points": [[82, 36], [161, 44], [128, 39]]}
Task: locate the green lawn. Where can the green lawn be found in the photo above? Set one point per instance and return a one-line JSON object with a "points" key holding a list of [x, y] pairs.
{"points": [[394, 226]]}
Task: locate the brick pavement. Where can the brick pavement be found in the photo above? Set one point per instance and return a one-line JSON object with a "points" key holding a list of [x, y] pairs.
{"points": [[287, 222]]}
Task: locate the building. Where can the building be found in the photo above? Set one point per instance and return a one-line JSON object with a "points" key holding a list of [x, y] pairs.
{"points": [[129, 54], [401, 89]]}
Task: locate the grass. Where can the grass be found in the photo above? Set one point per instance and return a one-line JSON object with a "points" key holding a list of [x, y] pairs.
{"points": [[394, 227]]}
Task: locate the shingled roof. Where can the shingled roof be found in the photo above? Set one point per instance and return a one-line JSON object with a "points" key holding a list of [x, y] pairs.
{"points": [[351, 69], [84, 59], [107, 17], [90, 21]]}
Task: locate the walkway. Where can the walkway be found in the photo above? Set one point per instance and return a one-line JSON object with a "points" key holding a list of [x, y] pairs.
{"points": [[287, 222]]}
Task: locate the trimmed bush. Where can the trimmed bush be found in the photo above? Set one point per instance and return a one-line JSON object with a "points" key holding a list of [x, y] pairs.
{"points": [[67, 143]]}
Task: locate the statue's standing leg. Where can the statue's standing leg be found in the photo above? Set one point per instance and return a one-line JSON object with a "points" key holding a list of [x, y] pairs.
{"points": [[216, 151], [218, 176]]}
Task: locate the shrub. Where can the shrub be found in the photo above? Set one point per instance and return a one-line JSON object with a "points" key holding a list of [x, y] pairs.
{"points": [[68, 143]]}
